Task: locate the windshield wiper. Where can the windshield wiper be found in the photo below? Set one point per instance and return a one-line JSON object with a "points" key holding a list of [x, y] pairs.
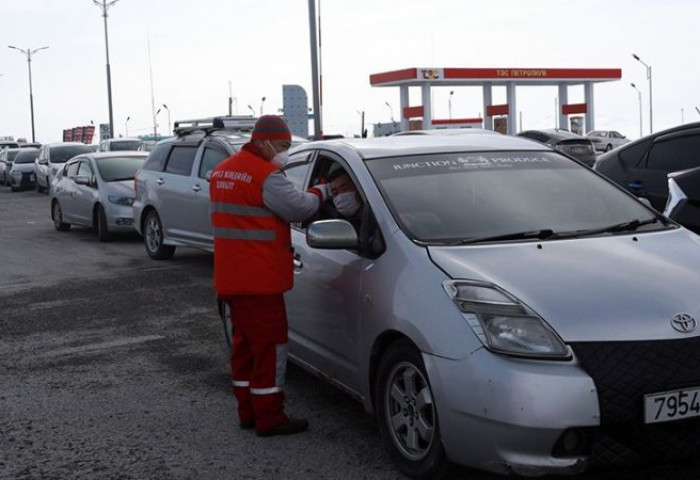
{"points": [[538, 234], [630, 226]]}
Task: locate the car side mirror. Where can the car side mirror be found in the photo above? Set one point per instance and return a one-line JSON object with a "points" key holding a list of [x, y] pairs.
{"points": [[331, 234], [82, 180], [208, 176]]}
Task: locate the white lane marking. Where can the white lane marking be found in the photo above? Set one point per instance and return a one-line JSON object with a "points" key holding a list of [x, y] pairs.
{"points": [[94, 347]]}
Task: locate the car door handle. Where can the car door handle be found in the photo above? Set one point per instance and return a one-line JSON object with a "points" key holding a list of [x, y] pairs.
{"points": [[160, 181], [196, 188], [636, 185]]}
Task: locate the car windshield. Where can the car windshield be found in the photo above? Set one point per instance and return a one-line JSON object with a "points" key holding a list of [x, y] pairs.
{"points": [[124, 145], [26, 156], [11, 154], [462, 197], [61, 154], [116, 169]]}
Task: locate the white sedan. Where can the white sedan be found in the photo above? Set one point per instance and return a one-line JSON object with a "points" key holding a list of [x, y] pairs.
{"points": [[96, 190]]}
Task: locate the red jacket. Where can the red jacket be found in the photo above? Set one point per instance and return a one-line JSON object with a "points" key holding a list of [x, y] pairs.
{"points": [[252, 246]]}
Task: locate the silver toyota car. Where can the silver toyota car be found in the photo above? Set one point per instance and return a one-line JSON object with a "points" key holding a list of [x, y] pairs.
{"points": [[499, 306], [96, 190]]}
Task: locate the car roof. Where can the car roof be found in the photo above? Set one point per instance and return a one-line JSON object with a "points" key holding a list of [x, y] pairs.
{"points": [[64, 144], [446, 131], [646, 138], [404, 145], [118, 153], [122, 139]]}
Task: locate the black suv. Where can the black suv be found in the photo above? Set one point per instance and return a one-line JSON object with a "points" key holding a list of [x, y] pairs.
{"points": [[171, 207], [643, 166]]}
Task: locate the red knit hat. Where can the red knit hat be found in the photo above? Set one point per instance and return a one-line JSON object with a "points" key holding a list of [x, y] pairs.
{"points": [[271, 127]]}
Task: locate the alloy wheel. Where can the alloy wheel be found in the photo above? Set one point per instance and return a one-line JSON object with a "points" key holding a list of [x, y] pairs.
{"points": [[410, 411]]}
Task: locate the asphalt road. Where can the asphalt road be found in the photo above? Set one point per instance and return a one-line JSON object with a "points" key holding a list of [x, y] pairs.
{"points": [[113, 365]]}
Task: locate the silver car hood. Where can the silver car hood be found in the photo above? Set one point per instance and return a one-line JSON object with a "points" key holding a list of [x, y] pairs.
{"points": [[123, 188], [620, 288]]}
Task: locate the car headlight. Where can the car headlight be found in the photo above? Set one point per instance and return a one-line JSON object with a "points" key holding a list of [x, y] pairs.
{"points": [[503, 323], [127, 201]]}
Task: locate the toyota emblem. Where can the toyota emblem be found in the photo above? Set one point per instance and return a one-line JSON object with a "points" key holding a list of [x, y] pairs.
{"points": [[683, 323]]}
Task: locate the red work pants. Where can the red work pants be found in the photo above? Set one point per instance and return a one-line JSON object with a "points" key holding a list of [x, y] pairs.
{"points": [[259, 358]]}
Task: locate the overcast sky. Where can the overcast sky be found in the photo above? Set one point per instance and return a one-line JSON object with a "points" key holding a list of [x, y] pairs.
{"points": [[198, 46]]}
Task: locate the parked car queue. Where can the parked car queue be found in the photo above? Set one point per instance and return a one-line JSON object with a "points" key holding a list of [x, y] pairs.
{"points": [[463, 320]]}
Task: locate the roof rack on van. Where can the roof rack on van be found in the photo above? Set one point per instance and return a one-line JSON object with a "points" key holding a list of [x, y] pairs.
{"points": [[207, 125]]}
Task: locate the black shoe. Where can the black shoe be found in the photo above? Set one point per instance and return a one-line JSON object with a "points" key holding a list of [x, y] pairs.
{"points": [[288, 427], [247, 425]]}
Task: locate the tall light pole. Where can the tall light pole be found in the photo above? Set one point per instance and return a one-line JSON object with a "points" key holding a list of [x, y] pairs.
{"points": [[651, 121], [104, 5], [29, 52], [639, 97], [252, 109], [262, 102], [170, 132], [126, 126], [449, 103], [391, 111]]}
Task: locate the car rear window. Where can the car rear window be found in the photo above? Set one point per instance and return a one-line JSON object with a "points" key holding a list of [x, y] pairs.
{"points": [[116, 169], [125, 145], [61, 154], [26, 156]]}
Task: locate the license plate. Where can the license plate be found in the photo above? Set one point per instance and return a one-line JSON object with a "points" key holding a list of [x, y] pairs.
{"points": [[673, 405]]}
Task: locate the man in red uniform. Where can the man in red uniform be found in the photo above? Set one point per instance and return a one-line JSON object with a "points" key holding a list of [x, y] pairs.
{"points": [[252, 205]]}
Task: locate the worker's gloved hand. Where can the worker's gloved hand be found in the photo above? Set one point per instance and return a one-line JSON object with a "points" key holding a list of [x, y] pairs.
{"points": [[322, 190]]}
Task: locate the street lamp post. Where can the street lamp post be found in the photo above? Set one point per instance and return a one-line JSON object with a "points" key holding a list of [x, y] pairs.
{"points": [[262, 102], [639, 97], [29, 52], [170, 132], [104, 5], [126, 126], [648, 67], [449, 103]]}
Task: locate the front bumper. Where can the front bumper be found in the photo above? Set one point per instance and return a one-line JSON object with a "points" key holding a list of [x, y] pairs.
{"points": [[120, 218], [27, 180], [506, 415]]}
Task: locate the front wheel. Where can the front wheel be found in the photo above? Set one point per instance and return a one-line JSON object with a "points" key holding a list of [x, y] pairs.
{"points": [[608, 147], [153, 238], [103, 233], [57, 217], [407, 414]]}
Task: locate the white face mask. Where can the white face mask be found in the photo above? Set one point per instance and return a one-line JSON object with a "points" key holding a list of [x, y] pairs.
{"points": [[281, 158], [346, 203]]}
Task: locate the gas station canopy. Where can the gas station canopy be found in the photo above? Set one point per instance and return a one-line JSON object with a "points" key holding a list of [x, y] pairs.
{"points": [[425, 78]]}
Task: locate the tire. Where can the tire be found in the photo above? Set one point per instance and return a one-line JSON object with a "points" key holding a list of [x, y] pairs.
{"points": [[417, 452], [608, 147], [57, 217], [101, 228], [153, 238]]}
